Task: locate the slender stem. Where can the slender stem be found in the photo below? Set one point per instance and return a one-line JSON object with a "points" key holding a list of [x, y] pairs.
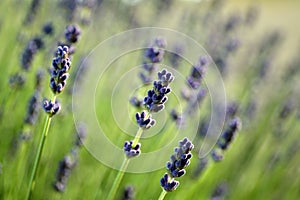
{"points": [[162, 195], [118, 179], [137, 137], [54, 98], [121, 172], [38, 157]]}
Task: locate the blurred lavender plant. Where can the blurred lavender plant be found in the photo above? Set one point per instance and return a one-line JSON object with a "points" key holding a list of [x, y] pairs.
{"points": [[64, 169], [29, 52], [34, 45], [32, 109], [251, 15], [194, 93], [264, 54], [32, 113], [292, 69], [68, 163], [226, 139], [175, 167], [17, 80], [175, 56], [203, 127], [176, 116], [72, 33], [153, 55], [197, 74], [219, 192], [48, 28], [35, 100], [223, 40], [128, 193], [231, 110], [70, 8], [74, 10], [32, 11], [85, 10]]}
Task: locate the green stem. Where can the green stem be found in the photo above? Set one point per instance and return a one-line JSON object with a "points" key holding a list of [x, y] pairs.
{"points": [[118, 179], [162, 195], [137, 137], [121, 172], [38, 157]]}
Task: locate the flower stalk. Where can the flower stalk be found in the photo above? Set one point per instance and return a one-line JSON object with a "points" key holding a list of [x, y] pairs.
{"points": [[38, 157], [154, 102]]}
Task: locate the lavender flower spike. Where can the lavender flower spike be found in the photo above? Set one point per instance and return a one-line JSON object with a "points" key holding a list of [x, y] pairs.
{"points": [[175, 167], [165, 77], [156, 97], [143, 122], [51, 108], [131, 151], [226, 139]]}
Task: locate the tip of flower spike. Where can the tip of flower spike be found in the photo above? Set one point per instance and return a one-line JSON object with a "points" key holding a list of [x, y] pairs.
{"points": [[72, 33], [165, 77], [143, 122], [51, 108], [236, 124], [168, 184], [161, 42], [204, 60], [131, 151], [217, 155]]}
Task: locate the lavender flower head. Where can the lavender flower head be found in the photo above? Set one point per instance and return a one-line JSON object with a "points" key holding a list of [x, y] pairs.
{"points": [[169, 184], [17, 80], [81, 135], [63, 172], [175, 167], [72, 33], [156, 97], [48, 28], [39, 79], [29, 52], [153, 54], [229, 134], [226, 139], [61, 65], [32, 109], [143, 121], [156, 50], [198, 72], [128, 193], [180, 159], [177, 117], [154, 102], [131, 151], [51, 108]]}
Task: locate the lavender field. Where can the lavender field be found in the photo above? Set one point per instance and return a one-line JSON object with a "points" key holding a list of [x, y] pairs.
{"points": [[139, 99]]}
